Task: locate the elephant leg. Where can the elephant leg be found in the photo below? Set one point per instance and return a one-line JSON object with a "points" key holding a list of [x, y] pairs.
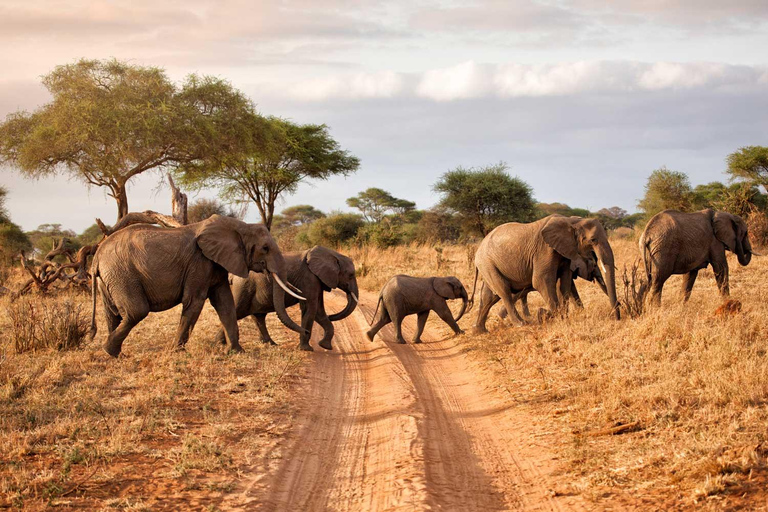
{"points": [[656, 286], [444, 312], [524, 303], [261, 324], [112, 317], [546, 285], [720, 268], [575, 296], [688, 280], [487, 301], [398, 323], [222, 301], [499, 286], [384, 319], [328, 329], [421, 322], [114, 343], [308, 312]]}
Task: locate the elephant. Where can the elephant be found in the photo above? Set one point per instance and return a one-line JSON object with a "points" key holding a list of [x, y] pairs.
{"points": [[405, 295], [675, 242], [144, 268], [516, 256], [314, 271], [593, 275]]}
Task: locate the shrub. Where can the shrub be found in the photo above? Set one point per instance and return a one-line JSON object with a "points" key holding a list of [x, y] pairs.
{"points": [[380, 234], [757, 224], [334, 230], [60, 325]]}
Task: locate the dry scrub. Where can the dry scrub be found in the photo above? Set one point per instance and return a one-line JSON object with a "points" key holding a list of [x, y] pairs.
{"points": [[669, 406], [153, 430]]}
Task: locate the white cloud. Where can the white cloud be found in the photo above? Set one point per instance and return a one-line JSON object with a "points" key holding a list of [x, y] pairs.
{"points": [[470, 80]]}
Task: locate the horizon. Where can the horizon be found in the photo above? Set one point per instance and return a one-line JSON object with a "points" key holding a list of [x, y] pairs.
{"points": [[556, 91]]}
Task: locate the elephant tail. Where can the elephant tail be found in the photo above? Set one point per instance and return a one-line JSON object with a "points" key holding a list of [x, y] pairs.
{"points": [[94, 289], [647, 258], [378, 303], [472, 298]]}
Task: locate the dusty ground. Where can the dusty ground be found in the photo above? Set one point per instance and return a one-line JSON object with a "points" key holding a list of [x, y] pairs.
{"points": [[519, 418]]}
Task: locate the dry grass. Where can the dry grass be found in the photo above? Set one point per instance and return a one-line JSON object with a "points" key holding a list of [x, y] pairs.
{"points": [[695, 382], [154, 429]]}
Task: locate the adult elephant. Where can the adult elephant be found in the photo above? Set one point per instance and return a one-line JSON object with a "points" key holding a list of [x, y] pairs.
{"points": [[144, 268], [515, 256], [675, 242], [314, 271]]}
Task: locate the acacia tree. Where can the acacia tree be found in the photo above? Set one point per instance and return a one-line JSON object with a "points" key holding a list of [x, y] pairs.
{"points": [[375, 203], [666, 189], [109, 121], [12, 239], [749, 164], [486, 197], [278, 156]]}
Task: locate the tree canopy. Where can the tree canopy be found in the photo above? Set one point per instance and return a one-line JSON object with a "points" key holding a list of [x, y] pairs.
{"points": [[486, 197], [277, 157], [665, 190], [749, 164], [109, 121], [375, 203]]}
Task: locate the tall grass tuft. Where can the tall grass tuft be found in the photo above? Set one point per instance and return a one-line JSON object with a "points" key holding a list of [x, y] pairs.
{"points": [[50, 324]]}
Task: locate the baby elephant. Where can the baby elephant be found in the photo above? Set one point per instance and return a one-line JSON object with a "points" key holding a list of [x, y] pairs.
{"points": [[406, 295]]}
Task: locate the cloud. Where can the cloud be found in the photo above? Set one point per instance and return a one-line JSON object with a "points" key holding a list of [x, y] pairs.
{"points": [[471, 80]]}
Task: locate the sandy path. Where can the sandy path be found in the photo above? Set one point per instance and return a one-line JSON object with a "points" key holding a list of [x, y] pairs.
{"points": [[403, 427]]}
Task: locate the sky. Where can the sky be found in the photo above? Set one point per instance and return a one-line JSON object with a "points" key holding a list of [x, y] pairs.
{"points": [[582, 99]]}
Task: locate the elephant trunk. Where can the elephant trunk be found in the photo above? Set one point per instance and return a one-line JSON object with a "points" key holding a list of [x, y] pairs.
{"points": [[464, 300], [605, 255], [744, 251], [352, 296], [276, 266]]}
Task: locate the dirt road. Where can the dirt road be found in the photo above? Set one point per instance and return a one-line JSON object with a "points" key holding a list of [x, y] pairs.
{"points": [[403, 427]]}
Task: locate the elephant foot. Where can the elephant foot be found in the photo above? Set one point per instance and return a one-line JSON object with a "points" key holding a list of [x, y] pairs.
{"points": [[326, 344], [369, 336], [417, 340], [402, 342], [479, 330], [236, 349], [306, 347], [112, 350], [458, 333]]}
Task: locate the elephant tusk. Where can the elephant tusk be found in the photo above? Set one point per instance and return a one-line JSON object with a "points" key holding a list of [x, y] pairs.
{"points": [[603, 267], [282, 285], [355, 297]]}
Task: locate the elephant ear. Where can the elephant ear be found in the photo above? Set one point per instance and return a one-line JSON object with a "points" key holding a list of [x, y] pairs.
{"points": [[443, 288], [560, 236], [222, 244], [725, 230], [323, 263]]}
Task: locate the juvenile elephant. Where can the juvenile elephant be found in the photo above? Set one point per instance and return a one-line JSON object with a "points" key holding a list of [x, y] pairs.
{"points": [[314, 271], [144, 268], [406, 295], [515, 257], [674, 242], [593, 274]]}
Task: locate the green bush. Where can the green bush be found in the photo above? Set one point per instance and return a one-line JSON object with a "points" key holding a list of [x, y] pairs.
{"points": [[332, 231]]}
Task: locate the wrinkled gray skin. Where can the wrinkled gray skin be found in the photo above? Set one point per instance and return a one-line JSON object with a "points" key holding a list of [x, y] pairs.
{"points": [[515, 257], [593, 275], [674, 242], [406, 295], [144, 268], [314, 271]]}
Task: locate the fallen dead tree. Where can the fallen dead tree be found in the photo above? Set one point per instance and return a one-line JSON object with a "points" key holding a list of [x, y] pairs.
{"points": [[50, 275]]}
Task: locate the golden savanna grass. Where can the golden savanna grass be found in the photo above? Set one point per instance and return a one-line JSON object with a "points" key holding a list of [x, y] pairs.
{"points": [[691, 384], [157, 429]]}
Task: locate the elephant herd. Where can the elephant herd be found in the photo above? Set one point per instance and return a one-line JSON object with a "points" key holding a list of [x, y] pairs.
{"points": [[241, 270]]}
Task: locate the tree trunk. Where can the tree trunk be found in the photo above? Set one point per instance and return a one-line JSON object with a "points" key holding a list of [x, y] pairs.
{"points": [[121, 196], [178, 203]]}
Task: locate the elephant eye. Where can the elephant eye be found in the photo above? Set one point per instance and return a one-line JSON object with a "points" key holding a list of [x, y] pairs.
{"points": [[265, 248]]}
